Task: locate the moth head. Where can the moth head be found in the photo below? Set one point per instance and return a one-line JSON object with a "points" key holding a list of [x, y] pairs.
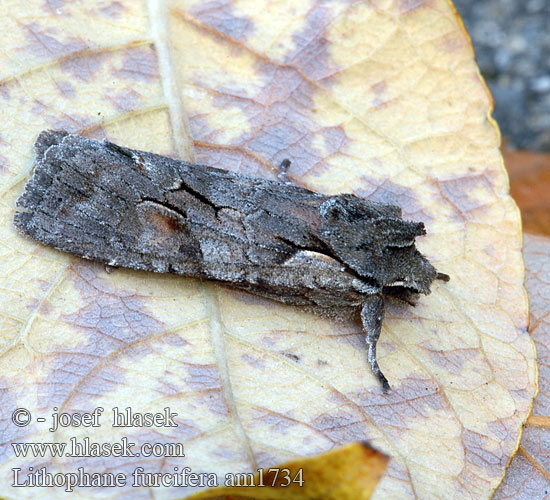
{"points": [[407, 269], [374, 241]]}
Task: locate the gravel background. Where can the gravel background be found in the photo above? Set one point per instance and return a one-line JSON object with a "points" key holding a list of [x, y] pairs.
{"points": [[511, 39]]}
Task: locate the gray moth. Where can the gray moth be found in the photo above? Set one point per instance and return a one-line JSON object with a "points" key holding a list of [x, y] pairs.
{"points": [[335, 254]]}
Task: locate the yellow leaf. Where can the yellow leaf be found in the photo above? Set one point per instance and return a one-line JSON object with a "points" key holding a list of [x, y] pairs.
{"points": [[380, 98], [347, 473]]}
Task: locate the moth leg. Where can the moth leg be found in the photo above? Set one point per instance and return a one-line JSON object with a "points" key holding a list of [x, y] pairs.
{"points": [[404, 295], [282, 175], [442, 277], [372, 316]]}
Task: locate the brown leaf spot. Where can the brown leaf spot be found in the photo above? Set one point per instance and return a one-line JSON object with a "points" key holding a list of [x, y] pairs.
{"points": [[387, 191], [213, 400], [276, 422], [46, 308], [77, 369], [347, 334], [248, 298], [254, 361], [10, 395], [452, 360], [203, 377], [125, 100], [72, 122], [379, 90], [139, 63], [66, 89], [4, 164], [467, 193], [96, 132], [311, 54], [186, 429], [265, 459], [402, 403], [44, 285], [270, 340], [174, 339], [4, 91], [537, 441], [231, 158], [481, 452], [409, 5], [400, 472], [113, 9], [112, 315], [32, 304], [84, 67], [523, 481], [346, 426], [501, 429], [117, 322], [53, 6], [453, 42], [219, 14], [537, 282], [44, 44], [279, 128]]}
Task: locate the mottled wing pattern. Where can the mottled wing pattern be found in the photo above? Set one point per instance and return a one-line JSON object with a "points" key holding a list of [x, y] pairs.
{"points": [[143, 211]]}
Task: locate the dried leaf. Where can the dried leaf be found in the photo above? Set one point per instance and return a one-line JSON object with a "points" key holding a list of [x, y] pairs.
{"points": [[530, 187], [379, 98], [347, 473], [528, 477]]}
